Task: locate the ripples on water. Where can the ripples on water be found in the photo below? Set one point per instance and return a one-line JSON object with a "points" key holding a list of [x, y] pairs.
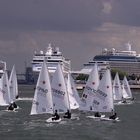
{"points": [[22, 126]]}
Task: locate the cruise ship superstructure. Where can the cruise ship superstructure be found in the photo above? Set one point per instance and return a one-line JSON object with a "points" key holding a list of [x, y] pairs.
{"points": [[127, 60], [52, 56]]}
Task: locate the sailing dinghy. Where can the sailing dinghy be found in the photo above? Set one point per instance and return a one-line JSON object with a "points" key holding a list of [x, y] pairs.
{"points": [[74, 98], [128, 95], [13, 87], [103, 101], [90, 92], [59, 93], [42, 101], [117, 90]]}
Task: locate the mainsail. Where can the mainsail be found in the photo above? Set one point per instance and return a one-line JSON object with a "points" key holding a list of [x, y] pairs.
{"points": [[13, 85], [117, 91], [4, 90], [103, 101], [42, 102], [128, 93], [59, 91], [90, 90], [74, 98]]}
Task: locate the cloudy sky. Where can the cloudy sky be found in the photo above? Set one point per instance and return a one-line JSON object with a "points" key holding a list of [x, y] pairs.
{"points": [[80, 28]]}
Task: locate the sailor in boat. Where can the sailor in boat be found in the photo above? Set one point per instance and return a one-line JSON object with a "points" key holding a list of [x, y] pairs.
{"points": [[55, 116], [11, 107], [67, 115], [123, 100], [114, 116], [15, 105], [97, 114]]}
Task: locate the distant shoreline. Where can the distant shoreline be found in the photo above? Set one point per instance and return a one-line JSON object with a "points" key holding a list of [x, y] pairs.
{"points": [[78, 86], [81, 86]]}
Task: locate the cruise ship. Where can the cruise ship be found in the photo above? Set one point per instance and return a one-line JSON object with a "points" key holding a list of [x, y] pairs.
{"points": [[52, 56], [126, 60]]}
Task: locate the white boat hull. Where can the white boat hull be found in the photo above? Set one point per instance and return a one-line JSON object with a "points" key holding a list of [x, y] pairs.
{"points": [[93, 117], [53, 121], [107, 119]]}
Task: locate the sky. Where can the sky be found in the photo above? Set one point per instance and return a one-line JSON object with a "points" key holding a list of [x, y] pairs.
{"points": [[80, 28]]}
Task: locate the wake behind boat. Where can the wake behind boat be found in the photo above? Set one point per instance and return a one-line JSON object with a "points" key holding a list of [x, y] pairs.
{"points": [[25, 99], [108, 119]]}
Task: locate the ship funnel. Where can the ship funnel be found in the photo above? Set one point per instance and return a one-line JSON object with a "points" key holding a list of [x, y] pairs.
{"points": [[128, 46], [41, 52], [49, 50], [49, 45], [105, 49]]}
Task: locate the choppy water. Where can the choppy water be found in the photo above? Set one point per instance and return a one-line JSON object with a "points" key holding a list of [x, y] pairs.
{"points": [[21, 126]]}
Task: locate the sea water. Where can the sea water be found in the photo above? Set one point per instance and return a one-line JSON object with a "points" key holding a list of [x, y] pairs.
{"points": [[21, 125]]}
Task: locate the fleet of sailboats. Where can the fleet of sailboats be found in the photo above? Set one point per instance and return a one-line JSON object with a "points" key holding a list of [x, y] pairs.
{"points": [[60, 94]]}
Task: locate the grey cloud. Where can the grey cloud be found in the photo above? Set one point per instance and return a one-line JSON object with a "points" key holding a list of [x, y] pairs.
{"points": [[67, 15], [125, 12], [50, 14]]}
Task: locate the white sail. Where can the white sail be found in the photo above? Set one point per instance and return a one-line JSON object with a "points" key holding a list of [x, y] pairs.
{"points": [[74, 98], [59, 91], [42, 102], [90, 90], [13, 85], [0, 83], [103, 101], [128, 93], [117, 91], [4, 90], [124, 93]]}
